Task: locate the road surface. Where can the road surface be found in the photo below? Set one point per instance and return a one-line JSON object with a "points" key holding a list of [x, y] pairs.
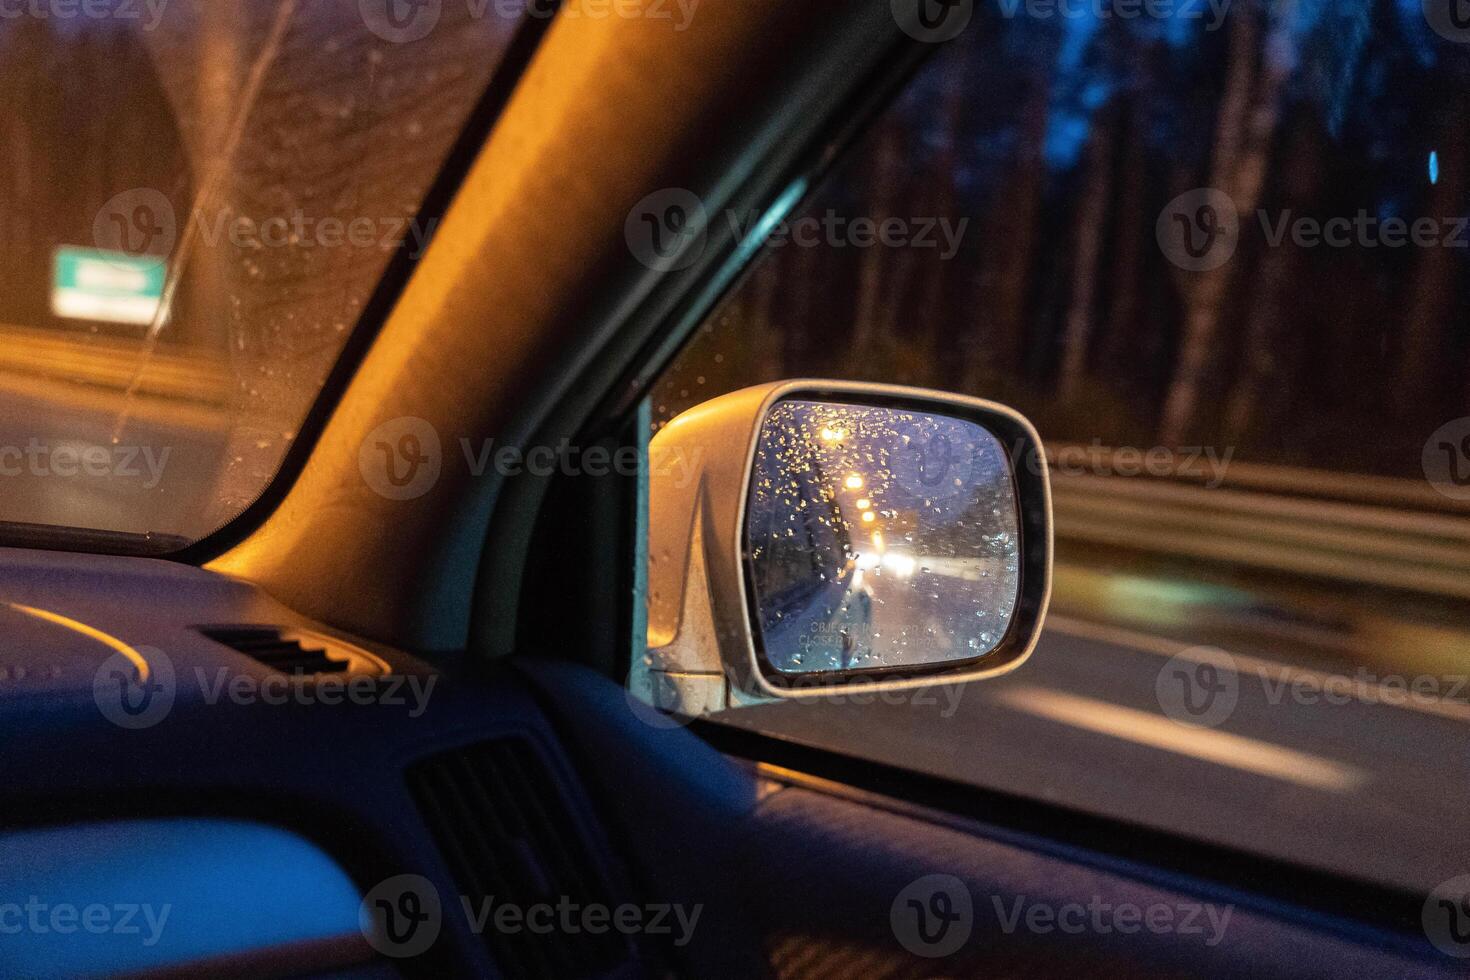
{"points": [[1367, 781]]}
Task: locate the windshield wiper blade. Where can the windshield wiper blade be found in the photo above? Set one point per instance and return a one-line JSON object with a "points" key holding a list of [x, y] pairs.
{"points": [[46, 536]]}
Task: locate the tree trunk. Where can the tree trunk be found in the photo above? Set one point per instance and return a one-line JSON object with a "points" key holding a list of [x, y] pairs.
{"points": [[875, 269], [1262, 357], [1009, 253], [1248, 117], [1122, 342], [1091, 218]]}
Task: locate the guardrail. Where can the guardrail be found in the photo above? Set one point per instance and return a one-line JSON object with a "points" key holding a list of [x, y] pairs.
{"points": [[107, 362], [1309, 523], [178, 389]]}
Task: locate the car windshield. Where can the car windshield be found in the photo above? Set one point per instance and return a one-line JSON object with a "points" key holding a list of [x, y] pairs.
{"points": [[198, 200]]}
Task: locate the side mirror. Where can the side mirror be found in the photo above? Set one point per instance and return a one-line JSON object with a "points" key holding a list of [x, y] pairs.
{"points": [[816, 537]]}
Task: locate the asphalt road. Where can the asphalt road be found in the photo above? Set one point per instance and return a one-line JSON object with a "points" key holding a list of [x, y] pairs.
{"points": [[1361, 779], [59, 465]]}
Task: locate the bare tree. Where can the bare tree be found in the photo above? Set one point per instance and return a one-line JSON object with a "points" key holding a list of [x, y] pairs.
{"points": [[1249, 111], [1261, 362], [1087, 255], [1124, 345], [1010, 250], [876, 275]]}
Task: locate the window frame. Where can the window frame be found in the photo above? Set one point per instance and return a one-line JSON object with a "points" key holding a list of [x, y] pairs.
{"points": [[1311, 896]]}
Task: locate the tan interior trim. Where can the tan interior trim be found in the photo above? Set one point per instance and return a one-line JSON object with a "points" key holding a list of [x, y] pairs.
{"points": [[611, 109]]}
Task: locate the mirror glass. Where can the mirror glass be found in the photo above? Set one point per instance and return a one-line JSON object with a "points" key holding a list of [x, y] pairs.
{"points": [[880, 538]]}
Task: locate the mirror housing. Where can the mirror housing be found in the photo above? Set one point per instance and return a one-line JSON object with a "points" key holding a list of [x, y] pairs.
{"points": [[978, 545]]}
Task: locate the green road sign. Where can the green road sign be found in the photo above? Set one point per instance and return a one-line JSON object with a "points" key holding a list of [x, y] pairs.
{"points": [[108, 287]]}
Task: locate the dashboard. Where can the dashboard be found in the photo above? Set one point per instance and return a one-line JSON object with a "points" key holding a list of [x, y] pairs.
{"points": [[130, 897], [198, 782], [164, 764]]}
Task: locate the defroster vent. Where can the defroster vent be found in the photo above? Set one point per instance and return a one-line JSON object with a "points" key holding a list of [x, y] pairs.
{"points": [[297, 652]]}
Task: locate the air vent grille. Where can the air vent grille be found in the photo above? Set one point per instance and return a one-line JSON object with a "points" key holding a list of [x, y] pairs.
{"points": [[504, 828], [294, 652]]}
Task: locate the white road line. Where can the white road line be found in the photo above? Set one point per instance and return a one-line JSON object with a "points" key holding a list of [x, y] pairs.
{"points": [[1154, 731], [1278, 673]]}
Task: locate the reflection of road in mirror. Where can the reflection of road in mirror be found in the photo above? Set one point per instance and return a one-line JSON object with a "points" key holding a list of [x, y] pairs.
{"points": [[879, 538]]}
